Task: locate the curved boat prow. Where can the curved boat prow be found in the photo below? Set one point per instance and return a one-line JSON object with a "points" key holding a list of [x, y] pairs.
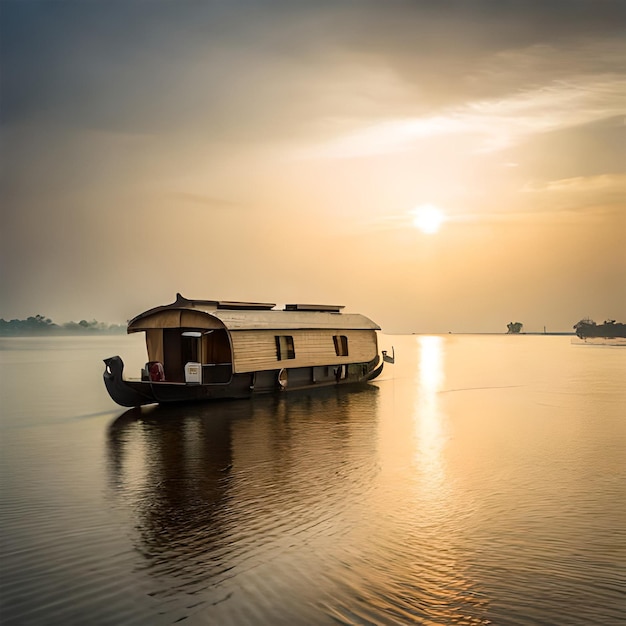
{"points": [[389, 359], [118, 389], [375, 373]]}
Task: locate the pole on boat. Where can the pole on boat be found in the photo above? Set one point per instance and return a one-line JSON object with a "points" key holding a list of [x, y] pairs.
{"points": [[387, 358]]}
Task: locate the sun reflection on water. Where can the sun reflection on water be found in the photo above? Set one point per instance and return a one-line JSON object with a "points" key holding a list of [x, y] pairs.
{"points": [[428, 416]]}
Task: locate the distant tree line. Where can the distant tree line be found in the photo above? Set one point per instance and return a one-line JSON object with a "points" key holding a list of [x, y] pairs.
{"points": [[40, 325], [588, 328], [514, 328]]}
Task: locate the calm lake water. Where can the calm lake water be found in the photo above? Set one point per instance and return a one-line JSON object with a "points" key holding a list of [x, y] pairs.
{"points": [[480, 480]]}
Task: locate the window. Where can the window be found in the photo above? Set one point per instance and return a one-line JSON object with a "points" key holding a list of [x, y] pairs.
{"points": [[341, 345], [284, 347]]}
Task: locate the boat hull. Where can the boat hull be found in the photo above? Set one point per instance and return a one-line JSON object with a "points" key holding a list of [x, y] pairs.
{"points": [[131, 393]]}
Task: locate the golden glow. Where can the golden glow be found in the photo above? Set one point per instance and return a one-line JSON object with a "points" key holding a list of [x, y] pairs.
{"points": [[428, 218], [517, 163], [428, 418]]}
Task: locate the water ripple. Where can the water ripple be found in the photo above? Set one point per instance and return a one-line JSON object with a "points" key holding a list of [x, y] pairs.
{"points": [[395, 504]]}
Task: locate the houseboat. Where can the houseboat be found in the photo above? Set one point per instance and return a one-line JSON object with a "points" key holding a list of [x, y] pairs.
{"points": [[210, 349]]}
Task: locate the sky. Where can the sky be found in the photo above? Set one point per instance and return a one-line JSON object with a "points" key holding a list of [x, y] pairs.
{"points": [[277, 151]]}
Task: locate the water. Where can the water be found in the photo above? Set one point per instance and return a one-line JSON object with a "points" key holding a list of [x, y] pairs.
{"points": [[479, 481]]}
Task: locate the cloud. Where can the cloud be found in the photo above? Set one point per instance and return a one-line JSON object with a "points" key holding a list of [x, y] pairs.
{"points": [[605, 183], [208, 202], [256, 70], [495, 124]]}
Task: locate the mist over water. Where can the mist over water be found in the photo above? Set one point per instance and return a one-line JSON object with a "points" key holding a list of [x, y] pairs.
{"points": [[480, 480]]}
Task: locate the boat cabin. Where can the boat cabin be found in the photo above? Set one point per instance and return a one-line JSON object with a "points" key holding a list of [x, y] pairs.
{"points": [[210, 341]]}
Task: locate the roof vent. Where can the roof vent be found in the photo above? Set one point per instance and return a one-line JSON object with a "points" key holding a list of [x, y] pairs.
{"points": [[248, 306], [326, 308]]}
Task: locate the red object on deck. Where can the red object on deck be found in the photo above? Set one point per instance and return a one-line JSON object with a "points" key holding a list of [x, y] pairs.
{"points": [[157, 373]]}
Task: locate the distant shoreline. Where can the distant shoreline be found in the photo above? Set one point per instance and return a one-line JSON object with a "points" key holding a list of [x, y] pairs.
{"points": [[65, 332], [563, 334], [62, 332], [40, 326]]}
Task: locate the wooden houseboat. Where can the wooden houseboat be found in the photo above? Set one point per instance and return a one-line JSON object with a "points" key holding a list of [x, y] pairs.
{"points": [[209, 349]]}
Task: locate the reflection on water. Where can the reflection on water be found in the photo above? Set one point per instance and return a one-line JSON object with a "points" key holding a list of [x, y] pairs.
{"points": [[414, 567], [428, 418], [170, 469], [244, 501], [479, 481]]}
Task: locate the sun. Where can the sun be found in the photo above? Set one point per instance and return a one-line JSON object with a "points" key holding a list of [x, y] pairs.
{"points": [[428, 218]]}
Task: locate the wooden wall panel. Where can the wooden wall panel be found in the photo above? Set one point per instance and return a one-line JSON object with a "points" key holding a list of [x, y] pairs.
{"points": [[256, 349]]}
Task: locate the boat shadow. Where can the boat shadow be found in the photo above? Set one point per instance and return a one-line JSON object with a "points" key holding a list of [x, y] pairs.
{"points": [[185, 474]]}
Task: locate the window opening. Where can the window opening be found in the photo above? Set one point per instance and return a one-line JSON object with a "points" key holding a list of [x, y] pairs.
{"points": [[284, 347], [341, 345]]}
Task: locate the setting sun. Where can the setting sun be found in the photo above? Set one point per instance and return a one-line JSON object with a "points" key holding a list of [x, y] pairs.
{"points": [[428, 218]]}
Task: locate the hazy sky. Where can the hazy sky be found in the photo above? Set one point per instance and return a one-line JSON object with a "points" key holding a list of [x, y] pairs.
{"points": [[275, 150]]}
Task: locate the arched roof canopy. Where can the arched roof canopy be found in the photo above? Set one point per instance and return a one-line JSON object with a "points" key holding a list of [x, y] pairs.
{"points": [[235, 316], [174, 318]]}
